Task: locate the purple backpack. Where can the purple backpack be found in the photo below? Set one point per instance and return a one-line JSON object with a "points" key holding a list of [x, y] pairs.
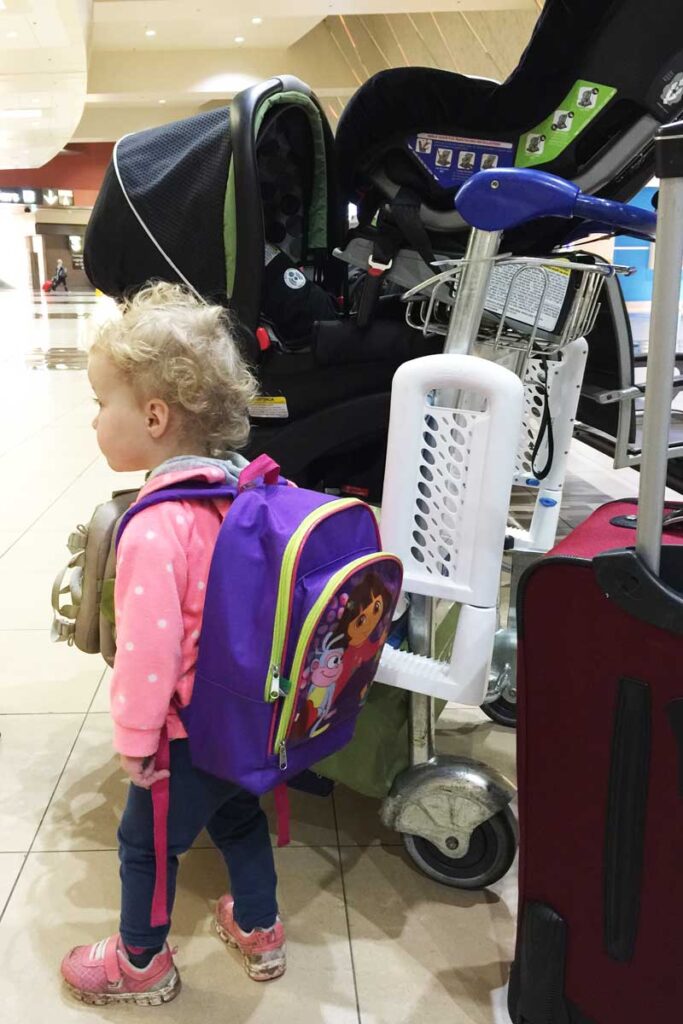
{"points": [[299, 602]]}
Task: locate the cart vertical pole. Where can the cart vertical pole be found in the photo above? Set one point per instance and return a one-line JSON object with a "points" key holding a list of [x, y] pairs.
{"points": [[421, 722], [469, 302]]}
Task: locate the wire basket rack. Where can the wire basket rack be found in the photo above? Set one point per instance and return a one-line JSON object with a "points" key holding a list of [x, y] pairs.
{"points": [[533, 304]]}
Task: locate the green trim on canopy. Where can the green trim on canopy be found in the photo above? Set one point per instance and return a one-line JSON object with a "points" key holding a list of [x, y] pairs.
{"points": [[318, 208], [317, 212]]}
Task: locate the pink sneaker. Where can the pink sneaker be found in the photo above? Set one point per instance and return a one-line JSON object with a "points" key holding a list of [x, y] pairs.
{"points": [[102, 973], [263, 949]]}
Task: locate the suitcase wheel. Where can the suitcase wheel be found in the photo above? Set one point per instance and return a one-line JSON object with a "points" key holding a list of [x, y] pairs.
{"points": [[502, 711], [503, 679], [491, 852]]}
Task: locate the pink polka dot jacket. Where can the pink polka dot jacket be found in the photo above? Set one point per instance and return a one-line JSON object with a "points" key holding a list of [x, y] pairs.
{"points": [[162, 567]]}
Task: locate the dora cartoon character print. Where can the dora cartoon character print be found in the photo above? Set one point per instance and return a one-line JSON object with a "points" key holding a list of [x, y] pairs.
{"points": [[365, 625], [346, 647]]}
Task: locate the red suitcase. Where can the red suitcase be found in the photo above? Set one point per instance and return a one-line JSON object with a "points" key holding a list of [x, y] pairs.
{"points": [[600, 742]]}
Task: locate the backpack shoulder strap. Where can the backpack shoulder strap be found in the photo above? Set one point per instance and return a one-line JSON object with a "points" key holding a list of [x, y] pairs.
{"points": [[198, 492], [261, 469]]}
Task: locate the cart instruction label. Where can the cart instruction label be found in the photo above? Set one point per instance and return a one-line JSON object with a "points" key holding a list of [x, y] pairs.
{"points": [[533, 288], [550, 138], [452, 160]]}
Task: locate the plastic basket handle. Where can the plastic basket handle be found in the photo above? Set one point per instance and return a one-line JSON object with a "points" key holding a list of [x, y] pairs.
{"points": [[261, 468]]}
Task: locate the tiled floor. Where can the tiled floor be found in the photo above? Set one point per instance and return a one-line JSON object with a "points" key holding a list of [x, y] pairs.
{"points": [[370, 939]]}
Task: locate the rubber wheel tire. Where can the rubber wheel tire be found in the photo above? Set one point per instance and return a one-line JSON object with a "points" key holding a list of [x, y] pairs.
{"points": [[502, 711], [491, 852]]}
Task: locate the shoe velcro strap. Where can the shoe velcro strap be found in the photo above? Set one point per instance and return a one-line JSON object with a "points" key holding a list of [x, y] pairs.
{"points": [[112, 966]]}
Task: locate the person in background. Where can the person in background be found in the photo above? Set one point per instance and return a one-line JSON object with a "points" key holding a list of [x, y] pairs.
{"points": [[60, 277]]}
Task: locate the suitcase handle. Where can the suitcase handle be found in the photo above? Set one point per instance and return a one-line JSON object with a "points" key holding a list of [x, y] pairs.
{"points": [[626, 579], [672, 521], [662, 343]]}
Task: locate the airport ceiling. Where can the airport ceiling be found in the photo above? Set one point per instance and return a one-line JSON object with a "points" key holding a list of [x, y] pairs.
{"points": [[92, 70]]}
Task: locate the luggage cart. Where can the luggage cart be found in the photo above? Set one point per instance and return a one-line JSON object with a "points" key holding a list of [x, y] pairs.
{"points": [[452, 440], [448, 415], [531, 315]]}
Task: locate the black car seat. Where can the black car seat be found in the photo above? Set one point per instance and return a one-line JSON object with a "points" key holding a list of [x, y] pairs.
{"points": [[595, 81]]}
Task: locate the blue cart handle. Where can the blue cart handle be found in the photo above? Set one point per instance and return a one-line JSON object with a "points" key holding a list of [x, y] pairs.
{"points": [[499, 199]]}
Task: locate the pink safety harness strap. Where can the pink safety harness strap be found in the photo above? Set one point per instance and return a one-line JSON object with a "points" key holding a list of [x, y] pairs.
{"points": [[160, 804], [283, 813]]}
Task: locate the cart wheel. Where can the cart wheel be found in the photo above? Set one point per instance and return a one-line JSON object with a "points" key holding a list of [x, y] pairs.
{"points": [[503, 711], [490, 855]]}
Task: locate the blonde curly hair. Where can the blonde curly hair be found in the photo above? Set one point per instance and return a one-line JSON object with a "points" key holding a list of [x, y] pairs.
{"points": [[172, 345]]}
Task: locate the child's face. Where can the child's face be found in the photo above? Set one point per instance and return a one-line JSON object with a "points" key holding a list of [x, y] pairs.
{"points": [[121, 421], [364, 623]]}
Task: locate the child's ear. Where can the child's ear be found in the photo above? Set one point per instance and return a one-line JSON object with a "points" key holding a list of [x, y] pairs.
{"points": [[157, 416]]}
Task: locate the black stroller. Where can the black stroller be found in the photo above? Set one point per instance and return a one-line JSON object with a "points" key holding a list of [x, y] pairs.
{"points": [[237, 202]]}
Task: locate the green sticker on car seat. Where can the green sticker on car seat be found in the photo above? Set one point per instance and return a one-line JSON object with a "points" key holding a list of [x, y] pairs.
{"points": [[551, 137]]}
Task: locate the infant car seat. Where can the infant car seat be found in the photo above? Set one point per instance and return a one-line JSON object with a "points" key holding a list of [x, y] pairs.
{"points": [[197, 200]]}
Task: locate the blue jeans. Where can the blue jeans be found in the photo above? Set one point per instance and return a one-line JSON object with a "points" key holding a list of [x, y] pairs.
{"points": [[237, 826]]}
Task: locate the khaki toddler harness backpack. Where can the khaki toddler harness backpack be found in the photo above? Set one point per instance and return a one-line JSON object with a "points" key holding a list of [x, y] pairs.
{"points": [[83, 592]]}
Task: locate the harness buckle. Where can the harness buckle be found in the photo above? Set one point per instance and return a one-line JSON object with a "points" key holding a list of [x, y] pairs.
{"points": [[376, 269]]}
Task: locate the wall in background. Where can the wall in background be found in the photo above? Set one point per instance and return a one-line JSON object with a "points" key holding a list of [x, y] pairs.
{"points": [[16, 229], [80, 167]]}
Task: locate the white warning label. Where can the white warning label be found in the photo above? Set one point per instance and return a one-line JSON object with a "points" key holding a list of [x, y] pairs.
{"points": [[533, 288]]}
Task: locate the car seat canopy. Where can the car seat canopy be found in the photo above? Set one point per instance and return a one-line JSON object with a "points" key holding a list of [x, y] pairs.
{"points": [[198, 200]]}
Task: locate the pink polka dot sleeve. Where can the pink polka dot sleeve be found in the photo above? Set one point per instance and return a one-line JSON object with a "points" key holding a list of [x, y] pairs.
{"points": [[151, 580]]}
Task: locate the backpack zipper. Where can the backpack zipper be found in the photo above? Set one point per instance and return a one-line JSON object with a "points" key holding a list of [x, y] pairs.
{"points": [[285, 594], [309, 627]]}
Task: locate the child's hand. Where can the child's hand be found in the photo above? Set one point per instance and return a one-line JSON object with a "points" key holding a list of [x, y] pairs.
{"points": [[142, 771]]}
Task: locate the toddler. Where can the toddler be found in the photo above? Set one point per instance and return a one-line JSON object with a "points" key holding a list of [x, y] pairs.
{"points": [[172, 392]]}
